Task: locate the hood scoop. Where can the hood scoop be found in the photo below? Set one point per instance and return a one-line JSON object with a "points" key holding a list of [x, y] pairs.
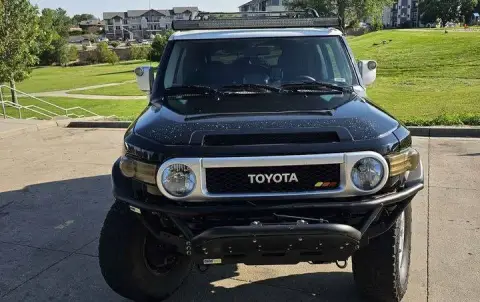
{"points": [[270, 137]]}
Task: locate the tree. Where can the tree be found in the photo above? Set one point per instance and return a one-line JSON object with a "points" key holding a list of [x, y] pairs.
{"points": [[466, 9], [76, 19], [54, 25], [446, 10], [347, 10], [18, 47], [158, 45], [61, 52]]}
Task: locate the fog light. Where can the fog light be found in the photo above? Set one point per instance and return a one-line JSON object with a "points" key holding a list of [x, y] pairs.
{"points": [[178, 180], [367, 174]]}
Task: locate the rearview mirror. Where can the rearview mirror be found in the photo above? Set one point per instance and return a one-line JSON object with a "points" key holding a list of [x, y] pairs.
{"points": [[145, 77], [368, 71]]}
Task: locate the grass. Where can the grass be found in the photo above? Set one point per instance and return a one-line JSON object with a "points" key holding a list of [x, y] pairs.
{"points": [[64, 78], [123, 109], [425, 77], [127, 89]]}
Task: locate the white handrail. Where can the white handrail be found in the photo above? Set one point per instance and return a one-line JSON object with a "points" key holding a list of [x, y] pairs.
{"points": [[37, 109], [32, 96], [19, 107]]}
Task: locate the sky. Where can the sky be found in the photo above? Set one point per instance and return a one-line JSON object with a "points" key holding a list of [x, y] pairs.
{"points": [[97, 7]]}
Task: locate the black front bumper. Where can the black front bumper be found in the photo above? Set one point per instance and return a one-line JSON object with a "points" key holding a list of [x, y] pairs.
{"points": [[277, 243]]}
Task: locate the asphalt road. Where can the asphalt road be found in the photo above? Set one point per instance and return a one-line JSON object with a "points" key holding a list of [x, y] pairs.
{"points": [[55, 192]]}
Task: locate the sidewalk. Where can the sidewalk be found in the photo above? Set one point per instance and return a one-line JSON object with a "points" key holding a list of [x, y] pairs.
{"points": [[10, 127]]}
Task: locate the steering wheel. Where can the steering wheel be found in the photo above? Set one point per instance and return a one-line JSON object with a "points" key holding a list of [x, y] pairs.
{"points": [[306, 78]]}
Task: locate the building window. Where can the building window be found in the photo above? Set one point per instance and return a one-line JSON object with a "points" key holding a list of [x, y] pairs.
{"points": [[408, 6]]}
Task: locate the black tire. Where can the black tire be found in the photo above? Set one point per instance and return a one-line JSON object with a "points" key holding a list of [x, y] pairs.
{"points": [[122, 261], [379, 273]]}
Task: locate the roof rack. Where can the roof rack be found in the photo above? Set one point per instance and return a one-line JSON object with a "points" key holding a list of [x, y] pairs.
{"points": [[251, 20]]}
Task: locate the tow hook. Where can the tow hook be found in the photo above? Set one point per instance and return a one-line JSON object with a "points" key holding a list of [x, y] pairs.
{"points": [[343, 265]]}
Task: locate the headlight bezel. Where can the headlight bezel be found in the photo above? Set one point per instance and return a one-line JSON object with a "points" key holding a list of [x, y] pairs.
{"points": [[381, 177], [161, 179]]}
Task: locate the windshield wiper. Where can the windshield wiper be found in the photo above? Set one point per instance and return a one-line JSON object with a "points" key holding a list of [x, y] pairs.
{"points": [[250, 88], [196, 89], [315, 85]]}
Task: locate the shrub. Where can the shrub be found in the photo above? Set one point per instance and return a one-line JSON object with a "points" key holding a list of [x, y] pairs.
{"points": [[103, 52], [73, 53], [115, 44], [112, 58], [140, 52], [75, 33], [92, 57], [377, 25], [84, 47]]}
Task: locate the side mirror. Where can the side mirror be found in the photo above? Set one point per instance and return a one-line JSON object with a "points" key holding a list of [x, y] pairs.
{"points": [[145, 77], [368, 71]]}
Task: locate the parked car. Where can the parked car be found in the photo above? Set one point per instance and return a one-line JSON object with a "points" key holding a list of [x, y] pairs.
{"points": [[260, 147]]}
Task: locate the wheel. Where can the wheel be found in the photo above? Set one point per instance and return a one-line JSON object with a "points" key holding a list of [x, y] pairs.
{"points": [[381, 268], [133, 263]]}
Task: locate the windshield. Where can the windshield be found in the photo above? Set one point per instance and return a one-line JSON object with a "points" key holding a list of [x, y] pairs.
{"points": [[263, 61], [255, 75]]}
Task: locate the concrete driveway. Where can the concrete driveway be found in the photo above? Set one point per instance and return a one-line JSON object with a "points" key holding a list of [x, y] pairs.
{"points": [[55, 192]]}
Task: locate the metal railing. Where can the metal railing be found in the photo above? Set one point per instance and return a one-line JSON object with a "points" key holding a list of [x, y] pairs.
{"points": [[39, 111]]}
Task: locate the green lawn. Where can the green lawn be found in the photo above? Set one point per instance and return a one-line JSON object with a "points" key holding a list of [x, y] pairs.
{"points": [[425, 77], [123, 109], [63, 78], [127, 89]]}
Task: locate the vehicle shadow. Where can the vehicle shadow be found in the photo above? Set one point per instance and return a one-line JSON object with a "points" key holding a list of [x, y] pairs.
{"points": [[67, 215], [227, 284]]}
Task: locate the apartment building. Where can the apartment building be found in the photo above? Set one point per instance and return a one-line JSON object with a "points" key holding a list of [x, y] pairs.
{"points": [[403, 13], [141, 24], [263, 6]]}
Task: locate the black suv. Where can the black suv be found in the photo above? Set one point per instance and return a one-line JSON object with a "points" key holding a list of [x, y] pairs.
{"points": [[259, 146]]}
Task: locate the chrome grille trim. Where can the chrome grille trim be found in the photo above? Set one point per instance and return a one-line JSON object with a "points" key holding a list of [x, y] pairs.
{"points": [[345, 160]]}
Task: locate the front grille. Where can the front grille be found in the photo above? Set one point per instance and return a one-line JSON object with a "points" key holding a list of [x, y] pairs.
{"points": [[237, 180]]}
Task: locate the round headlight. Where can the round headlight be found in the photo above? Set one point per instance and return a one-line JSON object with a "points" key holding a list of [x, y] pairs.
{"points": [[178, 180], [367, 173]]}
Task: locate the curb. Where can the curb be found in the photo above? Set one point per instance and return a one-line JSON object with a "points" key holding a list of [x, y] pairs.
{"points": [[99, 124], [445, 131], [416, 131]]}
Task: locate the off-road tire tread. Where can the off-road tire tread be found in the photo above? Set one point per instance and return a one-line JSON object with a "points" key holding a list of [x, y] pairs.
{"points": [[115, 248], [375, 268]]}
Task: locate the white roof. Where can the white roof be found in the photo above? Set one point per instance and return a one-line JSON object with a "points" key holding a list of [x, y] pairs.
{"points": [[254, 33]]}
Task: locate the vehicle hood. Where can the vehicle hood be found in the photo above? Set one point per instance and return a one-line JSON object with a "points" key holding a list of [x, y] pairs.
{"points": [[359, 117]]}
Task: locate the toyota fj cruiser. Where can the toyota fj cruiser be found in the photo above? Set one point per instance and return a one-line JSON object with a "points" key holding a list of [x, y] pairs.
{"points": [[260, 146]]}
